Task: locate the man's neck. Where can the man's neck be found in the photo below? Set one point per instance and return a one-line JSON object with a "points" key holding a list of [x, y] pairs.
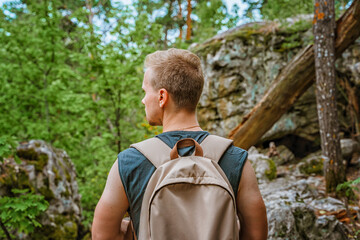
{"points": [[181, 121]]}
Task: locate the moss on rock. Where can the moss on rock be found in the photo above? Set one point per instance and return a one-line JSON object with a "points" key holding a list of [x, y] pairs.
{"points": [[314, 164], [271, 172], [206, 48], [15, 177], [39, 160]]}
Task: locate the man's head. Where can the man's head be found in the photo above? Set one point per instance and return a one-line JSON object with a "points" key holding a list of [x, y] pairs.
{"points": [[178, 73]]}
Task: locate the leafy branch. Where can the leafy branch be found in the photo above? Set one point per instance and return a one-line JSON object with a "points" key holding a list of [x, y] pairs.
{"points": [[19, 213]]}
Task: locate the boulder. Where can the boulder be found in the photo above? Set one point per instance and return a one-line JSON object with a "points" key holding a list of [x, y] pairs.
{"points": [[348, 148], [291, 205], [283, 155], [47, 171], [264, 167]]}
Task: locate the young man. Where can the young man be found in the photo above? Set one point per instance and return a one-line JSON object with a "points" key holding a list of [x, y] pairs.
{"points": [[173, 83]]}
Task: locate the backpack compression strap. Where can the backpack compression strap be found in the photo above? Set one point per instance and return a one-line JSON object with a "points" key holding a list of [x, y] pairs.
{"points": [[158, 152]]}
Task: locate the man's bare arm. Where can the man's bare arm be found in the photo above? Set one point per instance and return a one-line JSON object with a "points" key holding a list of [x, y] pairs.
{"points": [[251, 207], [110, 209]]}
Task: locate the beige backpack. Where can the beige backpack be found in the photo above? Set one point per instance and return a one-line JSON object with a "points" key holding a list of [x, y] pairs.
{"points": [[187, 197]]}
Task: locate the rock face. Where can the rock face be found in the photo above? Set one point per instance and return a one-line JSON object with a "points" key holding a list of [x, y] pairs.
{"points": [[240, 65], [49, 172]]}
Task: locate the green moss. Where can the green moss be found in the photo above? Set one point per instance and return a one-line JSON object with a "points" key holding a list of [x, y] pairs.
{"points": [[68, 177], [42, 160], [271, 172], [66, 194], [71, 230], [87, 237], [47, 193], [32, 157], [293, 37], [45, 190], [290, 45], [28, 154], [18, 179], [57, 175], [282, 231], [312, 165], [244, 34], [64, 229], [206, 48], [299, 26]]}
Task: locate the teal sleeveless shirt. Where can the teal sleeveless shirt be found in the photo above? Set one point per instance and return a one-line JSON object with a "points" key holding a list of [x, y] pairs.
{"points": [[135, 170]]}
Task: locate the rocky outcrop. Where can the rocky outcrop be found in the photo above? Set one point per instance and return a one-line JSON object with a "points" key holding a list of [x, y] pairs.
{"points": [[240, 65], [47, 171], [292, 204], [297, 207]]}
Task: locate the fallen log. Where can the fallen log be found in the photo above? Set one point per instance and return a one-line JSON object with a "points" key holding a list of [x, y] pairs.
{"points": [[292, 82]]}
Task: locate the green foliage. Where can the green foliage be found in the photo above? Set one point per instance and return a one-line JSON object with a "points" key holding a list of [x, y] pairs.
{"points": [[65, 83], [348, 188], [281, 9], [299, 26], [19, 213], [208, 17], [8, 147], [212, 17]]}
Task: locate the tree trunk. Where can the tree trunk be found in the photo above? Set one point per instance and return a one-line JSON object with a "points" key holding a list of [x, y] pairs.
{"points": [[324, 47], [292, 82], [91, 14], [169, 13], [188, 21], [180, 21]]}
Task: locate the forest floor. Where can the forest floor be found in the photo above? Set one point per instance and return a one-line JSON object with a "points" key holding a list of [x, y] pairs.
{"points": [[351, 215]]}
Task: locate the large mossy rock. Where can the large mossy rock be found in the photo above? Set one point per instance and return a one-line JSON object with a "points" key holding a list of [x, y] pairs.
{"points": [[47, 171], [241, 64]]}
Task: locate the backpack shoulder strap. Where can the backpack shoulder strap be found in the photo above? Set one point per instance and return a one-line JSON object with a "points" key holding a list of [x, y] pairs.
{"points": [[155, 150], [214, 146]]}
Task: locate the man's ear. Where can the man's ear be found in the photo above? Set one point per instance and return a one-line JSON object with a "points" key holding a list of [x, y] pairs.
{"points": [[163, 97]]}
